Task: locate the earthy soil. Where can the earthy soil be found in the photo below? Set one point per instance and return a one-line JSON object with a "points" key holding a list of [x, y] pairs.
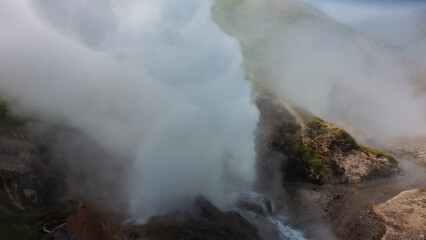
{"points": [[348, 208], [404, 215]]}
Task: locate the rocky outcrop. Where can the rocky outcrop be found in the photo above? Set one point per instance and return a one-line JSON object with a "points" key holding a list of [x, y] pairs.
{"points": [[23, 173], [354, 162], [404, 216], [309, 148], [210, 223]]}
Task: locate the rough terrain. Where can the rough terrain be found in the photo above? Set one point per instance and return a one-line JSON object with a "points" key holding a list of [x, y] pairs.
{"points": [[348, 208], [314, 149], [404, 216]]}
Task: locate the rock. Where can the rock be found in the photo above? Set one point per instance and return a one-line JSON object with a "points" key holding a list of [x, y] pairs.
{"points": [[23, 173], [62, 232], [311, 149], [209, 224], [337, 195], [255, 203], [404, 216]]}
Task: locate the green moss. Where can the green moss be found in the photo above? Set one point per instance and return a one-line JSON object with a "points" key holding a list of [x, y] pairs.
{"points": [[295, 151], [376, 152], [6, 120], [310, 158], [13, 227]]}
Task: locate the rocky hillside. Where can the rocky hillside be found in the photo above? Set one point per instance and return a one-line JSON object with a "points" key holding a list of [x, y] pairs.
{"points": [[313, 149], [310, 148]]}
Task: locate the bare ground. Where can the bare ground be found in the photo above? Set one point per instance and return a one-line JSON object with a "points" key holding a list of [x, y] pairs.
{"points": [[348, 209], [404, 215]]}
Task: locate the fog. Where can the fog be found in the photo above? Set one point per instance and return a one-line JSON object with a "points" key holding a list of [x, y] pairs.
{"points": [[400, 23], [364, 84], [153, 82], [383, 84]]}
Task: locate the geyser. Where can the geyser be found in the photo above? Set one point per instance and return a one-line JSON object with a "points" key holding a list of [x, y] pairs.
{"points": [[154, 81]]}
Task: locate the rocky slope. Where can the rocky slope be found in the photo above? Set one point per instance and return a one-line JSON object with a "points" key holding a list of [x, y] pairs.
{"points": [[310, 148]]}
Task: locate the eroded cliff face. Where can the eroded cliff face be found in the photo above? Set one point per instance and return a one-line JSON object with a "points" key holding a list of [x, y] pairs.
{"points": [[309, 148]]}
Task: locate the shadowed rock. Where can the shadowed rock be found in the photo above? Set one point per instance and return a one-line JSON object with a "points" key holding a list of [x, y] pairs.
{"points": [[210, 224]]}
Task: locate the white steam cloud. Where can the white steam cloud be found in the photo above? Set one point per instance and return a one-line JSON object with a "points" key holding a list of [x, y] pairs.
{"points": [[398, 22], [371, 88], [155, 81]]}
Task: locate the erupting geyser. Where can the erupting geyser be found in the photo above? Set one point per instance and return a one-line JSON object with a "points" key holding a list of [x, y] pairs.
{"points": [[154, 81]]}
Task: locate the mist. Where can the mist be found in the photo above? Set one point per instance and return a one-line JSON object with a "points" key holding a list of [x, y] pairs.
{"points": [[153, 82], [346, 76], [399, 23]]}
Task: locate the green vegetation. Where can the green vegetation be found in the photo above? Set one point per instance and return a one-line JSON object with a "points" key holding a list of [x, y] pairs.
{"points": [[295, 151], [376, 152], [309, 157], [6, 120], [13, 227]]}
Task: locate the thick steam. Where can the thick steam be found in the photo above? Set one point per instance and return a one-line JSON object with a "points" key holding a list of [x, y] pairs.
{"points": [[154, 81], [345, 76], [398, 22]]}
